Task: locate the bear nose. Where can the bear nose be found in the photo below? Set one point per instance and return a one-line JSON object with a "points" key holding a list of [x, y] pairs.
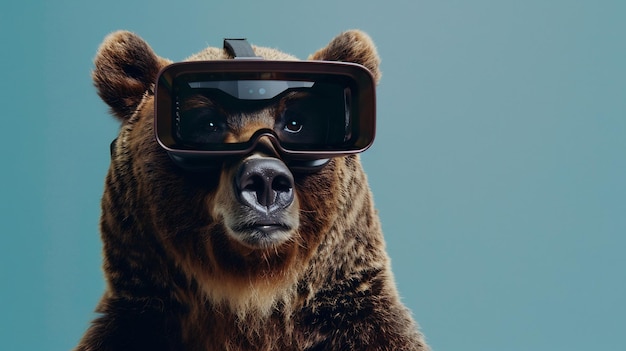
{"points": [[265, 184]]}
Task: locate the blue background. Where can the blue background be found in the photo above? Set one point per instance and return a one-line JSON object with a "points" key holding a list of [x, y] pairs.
{"points": [[499, 167]]}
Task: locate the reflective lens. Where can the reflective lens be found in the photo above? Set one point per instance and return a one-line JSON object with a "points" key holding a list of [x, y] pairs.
{"points": [[315, 109]]}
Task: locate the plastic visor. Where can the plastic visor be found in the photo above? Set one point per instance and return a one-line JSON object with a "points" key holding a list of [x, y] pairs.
{"points": [[308, 109]]}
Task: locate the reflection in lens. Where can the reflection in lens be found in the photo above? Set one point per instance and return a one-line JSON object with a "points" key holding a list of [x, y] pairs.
{"points": [[238, 88]]}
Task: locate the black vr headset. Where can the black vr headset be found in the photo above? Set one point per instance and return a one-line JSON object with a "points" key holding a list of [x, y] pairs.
{"points": [[320, 109]]}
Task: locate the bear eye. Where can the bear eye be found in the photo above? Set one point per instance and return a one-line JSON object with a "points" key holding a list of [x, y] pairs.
{"points": [[213, 127], [293, 126], [211, 123], [292, 119], [201, 126]]}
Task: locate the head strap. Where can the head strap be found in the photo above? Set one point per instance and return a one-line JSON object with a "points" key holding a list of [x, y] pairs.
{"points": [[239, 48]]}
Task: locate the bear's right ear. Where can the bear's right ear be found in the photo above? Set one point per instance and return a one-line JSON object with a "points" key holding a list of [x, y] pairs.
{"points": [[125, 68]]}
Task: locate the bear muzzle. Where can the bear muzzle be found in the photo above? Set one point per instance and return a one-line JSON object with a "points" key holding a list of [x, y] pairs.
{"points": [[264, 189]]}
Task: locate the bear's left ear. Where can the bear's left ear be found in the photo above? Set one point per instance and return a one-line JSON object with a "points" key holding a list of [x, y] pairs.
{"points": [[351, 46], [125, 68]]}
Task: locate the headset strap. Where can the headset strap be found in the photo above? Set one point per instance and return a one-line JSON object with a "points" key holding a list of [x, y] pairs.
{"points": [[239, 48]]}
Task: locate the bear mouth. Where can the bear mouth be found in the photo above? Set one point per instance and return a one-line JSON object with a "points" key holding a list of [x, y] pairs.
{"points": [[268, 229], [261, 235]]}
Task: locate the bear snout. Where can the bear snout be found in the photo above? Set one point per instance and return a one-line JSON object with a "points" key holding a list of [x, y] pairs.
{"points": [[264, 184], [263, 211]]}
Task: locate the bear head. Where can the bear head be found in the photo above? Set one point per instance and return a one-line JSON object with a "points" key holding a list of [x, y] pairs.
{"points": [[243, 234]]}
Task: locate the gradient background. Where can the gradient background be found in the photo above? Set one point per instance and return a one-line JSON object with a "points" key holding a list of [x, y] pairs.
{"points": [[499, 167]]}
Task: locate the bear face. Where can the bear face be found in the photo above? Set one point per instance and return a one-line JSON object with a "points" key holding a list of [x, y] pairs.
{"points": [[248, 254]]}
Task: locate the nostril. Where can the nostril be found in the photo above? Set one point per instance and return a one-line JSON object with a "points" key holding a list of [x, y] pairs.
{"points": [[252, 188], [252, 183], [282, 184]]}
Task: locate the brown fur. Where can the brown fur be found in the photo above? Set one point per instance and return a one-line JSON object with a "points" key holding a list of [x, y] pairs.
{"points": [[177, 277]]}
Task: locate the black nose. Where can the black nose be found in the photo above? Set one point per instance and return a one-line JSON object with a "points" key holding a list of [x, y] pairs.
{"points": [[265, 184]]}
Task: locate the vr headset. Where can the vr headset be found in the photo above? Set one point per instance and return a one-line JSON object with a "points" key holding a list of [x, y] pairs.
{"points": [[319, 109]]}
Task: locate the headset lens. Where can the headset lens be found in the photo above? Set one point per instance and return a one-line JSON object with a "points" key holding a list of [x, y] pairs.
{"points": [[306, 115]]}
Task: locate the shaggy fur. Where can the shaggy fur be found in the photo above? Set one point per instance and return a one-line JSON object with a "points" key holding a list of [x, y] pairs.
{"points": [[177, 278]]}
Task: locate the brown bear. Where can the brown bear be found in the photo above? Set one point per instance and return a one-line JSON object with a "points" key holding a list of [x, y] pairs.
{"points": [[184, 272]]}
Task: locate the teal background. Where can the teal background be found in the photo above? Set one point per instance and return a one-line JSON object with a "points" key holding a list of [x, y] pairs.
{"points": [[499, 168]]}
